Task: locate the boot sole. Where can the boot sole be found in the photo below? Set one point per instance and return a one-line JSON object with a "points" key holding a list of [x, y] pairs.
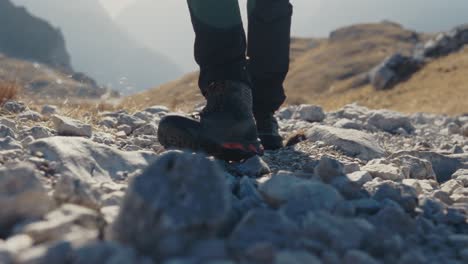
{"points": [[185, 133]]}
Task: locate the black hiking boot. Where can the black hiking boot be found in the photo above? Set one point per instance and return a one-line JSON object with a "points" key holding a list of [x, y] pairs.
{"points": [[268, 131], [226, 128]]}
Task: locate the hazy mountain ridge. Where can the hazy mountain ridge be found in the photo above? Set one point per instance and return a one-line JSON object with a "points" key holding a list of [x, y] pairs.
{"points": [[101, 49]]}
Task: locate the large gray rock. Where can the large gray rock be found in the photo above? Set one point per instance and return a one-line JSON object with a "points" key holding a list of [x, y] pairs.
{"points": [[415, 168], [335, 233], [444, 166], [22, 195], [298, 196], [392, 70], [83, 159], [180, 199], [66, 126], [351, 142], [390, 121], [6, 132], [262, 226]]}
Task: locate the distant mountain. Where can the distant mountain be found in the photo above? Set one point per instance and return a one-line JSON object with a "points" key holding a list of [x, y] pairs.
{"points": [[163, 26], [101, 49], [25, 36]]}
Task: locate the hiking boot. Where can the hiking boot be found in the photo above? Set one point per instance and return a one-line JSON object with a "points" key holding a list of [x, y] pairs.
{"points": [[268, 131], [226, 128]]}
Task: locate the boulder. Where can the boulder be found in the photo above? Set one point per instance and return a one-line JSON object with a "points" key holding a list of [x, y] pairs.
{"points": [[178, 200], [84, 159], [298, 196], [394, 69], [262, 226], [415, 168], [351, 142], [444, 166], [390, 121], [66, 126], [22, 196]]}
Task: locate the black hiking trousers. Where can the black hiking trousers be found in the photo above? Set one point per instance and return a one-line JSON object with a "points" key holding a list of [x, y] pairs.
{"points": [[221, 48]]}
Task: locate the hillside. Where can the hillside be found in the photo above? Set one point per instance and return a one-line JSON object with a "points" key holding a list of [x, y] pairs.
{"points": [[42, 82], [329, 72], [101, 49], [25, 36]]}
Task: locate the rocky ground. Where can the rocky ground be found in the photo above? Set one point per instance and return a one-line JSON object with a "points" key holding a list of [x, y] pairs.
{"points": [[354, 186]]}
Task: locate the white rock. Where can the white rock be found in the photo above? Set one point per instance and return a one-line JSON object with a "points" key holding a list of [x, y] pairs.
{"points": [[390, 121], [69, 127], [312, 195], [360, 177], [84, 159], [383, 169], [451, 186], [351, 142], [17, 243], [309, 113]]}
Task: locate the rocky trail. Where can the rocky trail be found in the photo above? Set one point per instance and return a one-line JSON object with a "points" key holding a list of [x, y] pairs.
{"points": [[353, 186]]}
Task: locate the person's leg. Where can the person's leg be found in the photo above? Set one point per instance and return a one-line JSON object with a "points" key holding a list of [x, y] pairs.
{"points": [[220, 44], [227, 127], [268, 50]]}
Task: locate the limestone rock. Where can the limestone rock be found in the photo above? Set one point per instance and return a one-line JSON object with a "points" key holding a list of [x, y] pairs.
{"points": [[81, 158], [48, 110], [309, 113], [179, 199], [14, 107], [390, 121], [351, 142], [30, 116], [9, 143], [68, 127], [385, 170], [6, 132]]}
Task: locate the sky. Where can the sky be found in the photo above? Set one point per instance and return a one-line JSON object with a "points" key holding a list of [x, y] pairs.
{"points": [[115, 6]]}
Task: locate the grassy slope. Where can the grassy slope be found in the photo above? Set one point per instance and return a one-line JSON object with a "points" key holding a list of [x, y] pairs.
{"points": [[57, 85], [328, 72]]}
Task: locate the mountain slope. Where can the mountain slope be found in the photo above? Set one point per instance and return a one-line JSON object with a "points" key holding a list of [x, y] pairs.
{"points": [[25, 36], [101, 49]]}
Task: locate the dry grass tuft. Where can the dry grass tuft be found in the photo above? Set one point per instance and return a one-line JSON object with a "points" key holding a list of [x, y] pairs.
{"points": [[8, 91]]}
